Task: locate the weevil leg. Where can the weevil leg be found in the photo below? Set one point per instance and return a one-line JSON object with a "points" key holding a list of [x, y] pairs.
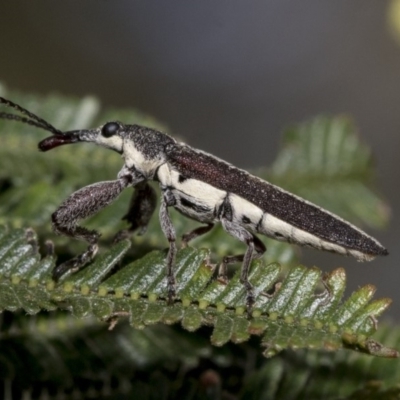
{"points": [[168, 200], [80, 205], [141, 209], [255, 249], [201, 230]]}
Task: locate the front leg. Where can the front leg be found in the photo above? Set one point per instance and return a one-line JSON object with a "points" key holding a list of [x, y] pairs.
{"points": [[82, 204], [168, 200]]}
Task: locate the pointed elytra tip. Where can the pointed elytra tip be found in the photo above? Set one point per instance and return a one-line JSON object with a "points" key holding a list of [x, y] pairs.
{"points": [[384, 252]]}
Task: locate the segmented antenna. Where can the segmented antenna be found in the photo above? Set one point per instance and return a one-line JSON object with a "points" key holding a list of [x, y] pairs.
{"points": [[32, 119]]}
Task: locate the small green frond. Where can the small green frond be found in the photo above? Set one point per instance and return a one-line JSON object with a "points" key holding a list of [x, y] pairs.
{"points": [[323, 161], [288, 313]]}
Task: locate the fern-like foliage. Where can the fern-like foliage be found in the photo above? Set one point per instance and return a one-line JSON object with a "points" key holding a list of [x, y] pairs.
{"points": [[322, 160], [293, 315]]}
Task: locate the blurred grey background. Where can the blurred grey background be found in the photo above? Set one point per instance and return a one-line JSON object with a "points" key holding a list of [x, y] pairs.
{"points": [[228, 76]]}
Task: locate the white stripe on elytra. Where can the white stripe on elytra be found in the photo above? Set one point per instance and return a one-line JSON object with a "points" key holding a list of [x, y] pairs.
{"points": [[300, 199], [243, 208], [260, 222], [202, 193], [271, 226]]}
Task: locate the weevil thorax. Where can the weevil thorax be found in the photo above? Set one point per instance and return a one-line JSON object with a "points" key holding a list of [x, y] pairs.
{"points": [[144, 149]]}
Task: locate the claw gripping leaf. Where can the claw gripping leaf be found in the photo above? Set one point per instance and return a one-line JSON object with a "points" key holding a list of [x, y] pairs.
{"points": [[292, 316]]}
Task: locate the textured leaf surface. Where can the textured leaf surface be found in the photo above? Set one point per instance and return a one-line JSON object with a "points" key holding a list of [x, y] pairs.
{"points": [[293, 315]]}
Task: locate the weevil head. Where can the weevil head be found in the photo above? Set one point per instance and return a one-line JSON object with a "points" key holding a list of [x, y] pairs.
{"points": [[110, 135], [142, 148]]}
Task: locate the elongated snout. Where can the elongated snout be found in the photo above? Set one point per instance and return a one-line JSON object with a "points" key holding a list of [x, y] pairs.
{"points": [[67, 138], [56, 140]]}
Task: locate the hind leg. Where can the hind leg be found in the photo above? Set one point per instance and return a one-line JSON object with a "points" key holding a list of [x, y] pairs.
{"points": [[255, 249], [168, 200], [201, 230]]}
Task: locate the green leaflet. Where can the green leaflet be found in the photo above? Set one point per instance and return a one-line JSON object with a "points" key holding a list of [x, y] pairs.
{"points": [[292, 316]]}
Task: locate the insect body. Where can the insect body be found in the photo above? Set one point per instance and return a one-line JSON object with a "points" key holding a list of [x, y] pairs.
{"points": [[201, 187]]}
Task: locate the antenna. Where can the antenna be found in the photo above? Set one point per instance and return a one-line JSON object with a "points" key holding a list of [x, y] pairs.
{"points": [[32, 119]]}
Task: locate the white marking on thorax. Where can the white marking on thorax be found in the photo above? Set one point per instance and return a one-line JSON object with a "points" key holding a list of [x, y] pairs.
{"points": [[164, 175], [135, 158], [114, 142]]}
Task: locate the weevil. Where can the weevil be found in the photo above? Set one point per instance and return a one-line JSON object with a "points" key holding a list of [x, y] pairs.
{"points": [[200, 186]]}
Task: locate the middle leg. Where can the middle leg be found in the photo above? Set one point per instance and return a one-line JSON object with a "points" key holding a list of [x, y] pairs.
{"points": [[141, 208]]}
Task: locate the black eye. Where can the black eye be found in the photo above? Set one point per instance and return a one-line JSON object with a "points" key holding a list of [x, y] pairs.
{"points": [[110, 129]]}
